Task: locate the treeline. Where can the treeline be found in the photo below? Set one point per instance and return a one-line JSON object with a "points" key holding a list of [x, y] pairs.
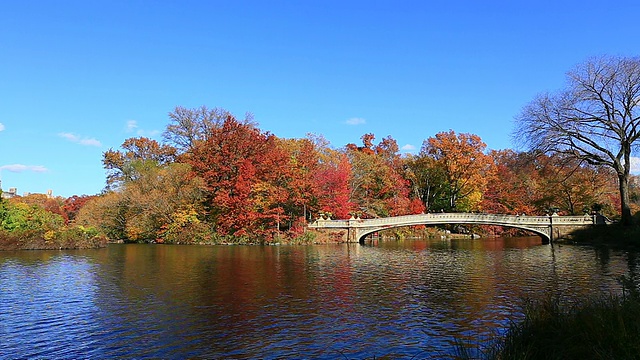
{"points": [[216, 178]]}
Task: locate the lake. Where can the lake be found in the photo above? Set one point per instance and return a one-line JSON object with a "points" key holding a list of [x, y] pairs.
{"points": [[410, 299]]}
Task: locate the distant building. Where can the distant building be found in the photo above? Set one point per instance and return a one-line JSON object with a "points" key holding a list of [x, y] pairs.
{"points": [[13, 192]]}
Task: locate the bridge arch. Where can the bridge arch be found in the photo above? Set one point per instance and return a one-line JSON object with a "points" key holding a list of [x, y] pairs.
{"points": [[364, 233]]}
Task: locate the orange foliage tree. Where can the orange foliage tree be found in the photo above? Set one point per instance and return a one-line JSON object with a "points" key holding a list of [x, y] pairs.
{"points": [[465, 165], [535, 183], [72, 206], [514, 187], [573, 186]]}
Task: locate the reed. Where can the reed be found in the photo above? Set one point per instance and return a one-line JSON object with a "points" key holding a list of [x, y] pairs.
{"points": [[605, 327]]}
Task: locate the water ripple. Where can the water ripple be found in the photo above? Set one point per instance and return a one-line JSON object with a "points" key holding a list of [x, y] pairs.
{"points": [[395, 300]]}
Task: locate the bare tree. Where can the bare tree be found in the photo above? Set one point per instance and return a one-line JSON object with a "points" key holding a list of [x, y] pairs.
{"points": [[594, 119], [189, 126]]}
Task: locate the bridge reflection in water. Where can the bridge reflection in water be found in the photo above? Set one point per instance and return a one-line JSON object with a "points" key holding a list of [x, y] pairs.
{"points": [[549, 227]]}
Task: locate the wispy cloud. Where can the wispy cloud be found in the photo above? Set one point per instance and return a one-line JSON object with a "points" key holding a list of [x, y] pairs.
{"points": [[1, 127], [356, 121], [132, 127], [80, 140], [18, 168], [408, 148]]}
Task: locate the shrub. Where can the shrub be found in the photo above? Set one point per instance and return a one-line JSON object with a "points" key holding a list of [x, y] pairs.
{"points": [[22, 217], [604, 327]]}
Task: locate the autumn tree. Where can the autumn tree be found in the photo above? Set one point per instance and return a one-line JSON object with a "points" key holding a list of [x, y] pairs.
{"points": [[145, 208], [47, 202], [149, 190], [118, 162], [73, 204], [328, 171], [535, 183], [594, 119], [377, 182], [106, 212], [159, 197], [299, 181], [515, 187], [239, 165], [573, 186], [332, 179], [466, 167]]}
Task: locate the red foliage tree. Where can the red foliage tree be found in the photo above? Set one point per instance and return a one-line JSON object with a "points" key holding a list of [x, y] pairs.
{"points": [[72, 206], [241, 167], [514, 188], [333, 182]]}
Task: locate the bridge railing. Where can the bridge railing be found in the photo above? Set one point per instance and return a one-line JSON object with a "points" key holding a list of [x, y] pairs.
{"points": [[439, 218]]}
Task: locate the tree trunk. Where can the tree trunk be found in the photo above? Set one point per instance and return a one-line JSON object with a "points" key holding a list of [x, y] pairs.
{"points": [[623, 181]]}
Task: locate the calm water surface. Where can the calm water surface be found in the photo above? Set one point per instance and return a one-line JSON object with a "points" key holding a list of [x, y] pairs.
{"points": [[411, 299]]}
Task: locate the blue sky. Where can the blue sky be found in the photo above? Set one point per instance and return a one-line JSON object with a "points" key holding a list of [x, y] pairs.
{"points": [[79, 77]]}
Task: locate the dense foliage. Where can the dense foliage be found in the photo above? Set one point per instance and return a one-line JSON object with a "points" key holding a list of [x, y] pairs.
{"points": [[42, 222], [220, 179]]}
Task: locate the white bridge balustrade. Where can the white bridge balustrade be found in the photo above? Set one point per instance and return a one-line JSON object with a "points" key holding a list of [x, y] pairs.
{"points": [[549, 227]]}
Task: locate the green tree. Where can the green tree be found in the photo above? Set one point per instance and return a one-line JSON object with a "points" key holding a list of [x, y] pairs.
{"points": [[22, 217], [119, 163], [428, 182], [3, 207]]}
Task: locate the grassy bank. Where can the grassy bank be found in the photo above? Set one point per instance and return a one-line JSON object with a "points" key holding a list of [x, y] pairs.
{"points": [[68, 238]]}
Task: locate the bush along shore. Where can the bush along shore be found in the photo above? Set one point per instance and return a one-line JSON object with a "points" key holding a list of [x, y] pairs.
{"points": [[66, 238], [614, 235], [30, 226], [601, 327]]}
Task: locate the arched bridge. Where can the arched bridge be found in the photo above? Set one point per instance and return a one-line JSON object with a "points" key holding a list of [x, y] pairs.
{"points": [[549, 227]]}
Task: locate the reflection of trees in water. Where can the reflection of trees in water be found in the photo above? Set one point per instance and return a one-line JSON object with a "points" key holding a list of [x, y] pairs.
{"points": [[631, 282], [603, 255], [255, 299]]}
